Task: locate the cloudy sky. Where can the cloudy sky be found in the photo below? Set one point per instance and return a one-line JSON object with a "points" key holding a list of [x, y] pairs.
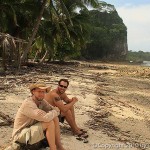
{"points": [[136, 16]]}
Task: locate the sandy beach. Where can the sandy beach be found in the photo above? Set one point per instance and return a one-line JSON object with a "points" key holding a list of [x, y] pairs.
{"points": [[113, 106]]}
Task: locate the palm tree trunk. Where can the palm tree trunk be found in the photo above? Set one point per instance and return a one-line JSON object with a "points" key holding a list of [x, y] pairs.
{"points": [[4, 60], [44, 57], [36, 26], [35, 55], [18, 54]]}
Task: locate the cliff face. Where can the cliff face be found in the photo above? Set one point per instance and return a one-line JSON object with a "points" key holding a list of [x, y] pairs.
{"points": [[108, 36], [120, 49]]}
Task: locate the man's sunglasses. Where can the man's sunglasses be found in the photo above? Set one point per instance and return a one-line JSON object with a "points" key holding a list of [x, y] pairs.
{"points": [[63, 86]]}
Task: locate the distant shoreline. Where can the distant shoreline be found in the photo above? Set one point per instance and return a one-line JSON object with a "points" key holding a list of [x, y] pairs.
{"points": [[146, 63]]}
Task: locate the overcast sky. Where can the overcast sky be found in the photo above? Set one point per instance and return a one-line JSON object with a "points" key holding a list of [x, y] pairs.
{"points": [[136, 16]]}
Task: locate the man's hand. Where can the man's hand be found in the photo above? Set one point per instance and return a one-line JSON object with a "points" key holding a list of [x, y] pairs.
{"points": [[74, 99], [57, 109]]}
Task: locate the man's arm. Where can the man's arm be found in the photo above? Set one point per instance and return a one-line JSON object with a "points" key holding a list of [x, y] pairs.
{"points": [[47, 106], [66, 99], [32, 111], [59, 103]]}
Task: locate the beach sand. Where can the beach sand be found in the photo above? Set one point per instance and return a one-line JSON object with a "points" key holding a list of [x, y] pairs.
{"points": [[113, 103]]}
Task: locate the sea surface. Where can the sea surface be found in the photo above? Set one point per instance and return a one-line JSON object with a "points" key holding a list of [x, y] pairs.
{"points": [[145, 63]]}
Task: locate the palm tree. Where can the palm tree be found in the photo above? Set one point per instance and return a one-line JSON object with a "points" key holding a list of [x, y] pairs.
{"points": [[59, 11], [7, 15], [60, 18], [8, 44], [35, 29], [11, 21], [73, 33]]}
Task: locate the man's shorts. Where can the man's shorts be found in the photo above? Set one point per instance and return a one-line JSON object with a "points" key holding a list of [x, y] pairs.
{"points": [[31, 135], [61, 118]]}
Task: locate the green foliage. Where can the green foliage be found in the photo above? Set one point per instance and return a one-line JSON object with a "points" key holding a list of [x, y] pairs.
{"points": [[64, 32], [138, 56], [107, 30]]}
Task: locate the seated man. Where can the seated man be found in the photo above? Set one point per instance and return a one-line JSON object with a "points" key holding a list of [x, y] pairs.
{"points": [[57, 97], [34, 117]]}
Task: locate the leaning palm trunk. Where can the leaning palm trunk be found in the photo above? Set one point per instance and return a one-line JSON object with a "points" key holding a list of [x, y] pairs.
{"points": [[4, 59], [44, 57], [36, 26], [35, 56]]}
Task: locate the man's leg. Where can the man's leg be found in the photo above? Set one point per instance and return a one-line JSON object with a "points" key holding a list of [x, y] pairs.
{"points": [[72, 112], [73, 115], [69, 118], [50, 133], [57, 134]]}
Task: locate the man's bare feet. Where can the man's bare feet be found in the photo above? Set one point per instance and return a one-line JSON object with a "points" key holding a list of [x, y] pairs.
{"points": [[80, 133], [82, 130]]}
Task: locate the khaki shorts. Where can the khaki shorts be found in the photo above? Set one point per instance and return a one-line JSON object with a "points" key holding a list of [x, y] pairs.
{"points": [[31, 135]]}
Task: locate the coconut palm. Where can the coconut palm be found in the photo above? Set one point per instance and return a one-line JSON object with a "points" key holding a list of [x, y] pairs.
{"points": [[35, 29], [59, 14], [7, 43], [15, 21]]}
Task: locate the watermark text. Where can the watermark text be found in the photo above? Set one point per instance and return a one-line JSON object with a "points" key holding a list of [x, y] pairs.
{"points": [[120, 145]]}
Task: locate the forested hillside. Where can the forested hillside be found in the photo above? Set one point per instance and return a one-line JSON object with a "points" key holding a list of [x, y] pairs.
{"points": [[139, 56], [59, 30], [108, 36]]}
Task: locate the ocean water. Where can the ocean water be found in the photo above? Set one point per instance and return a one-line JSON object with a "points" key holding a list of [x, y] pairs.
{"points": [[145, 63]]}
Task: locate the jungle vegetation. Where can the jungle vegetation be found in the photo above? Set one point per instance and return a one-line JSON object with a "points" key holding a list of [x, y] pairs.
{"points": [[138, 56], [45, 30]]}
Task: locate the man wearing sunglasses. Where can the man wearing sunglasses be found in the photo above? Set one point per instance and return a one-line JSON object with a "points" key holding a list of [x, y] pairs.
{"points": [[59, 98]]}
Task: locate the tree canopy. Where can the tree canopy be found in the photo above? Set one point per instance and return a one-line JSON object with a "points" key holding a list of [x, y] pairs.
{"points": [[49, 30]]}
